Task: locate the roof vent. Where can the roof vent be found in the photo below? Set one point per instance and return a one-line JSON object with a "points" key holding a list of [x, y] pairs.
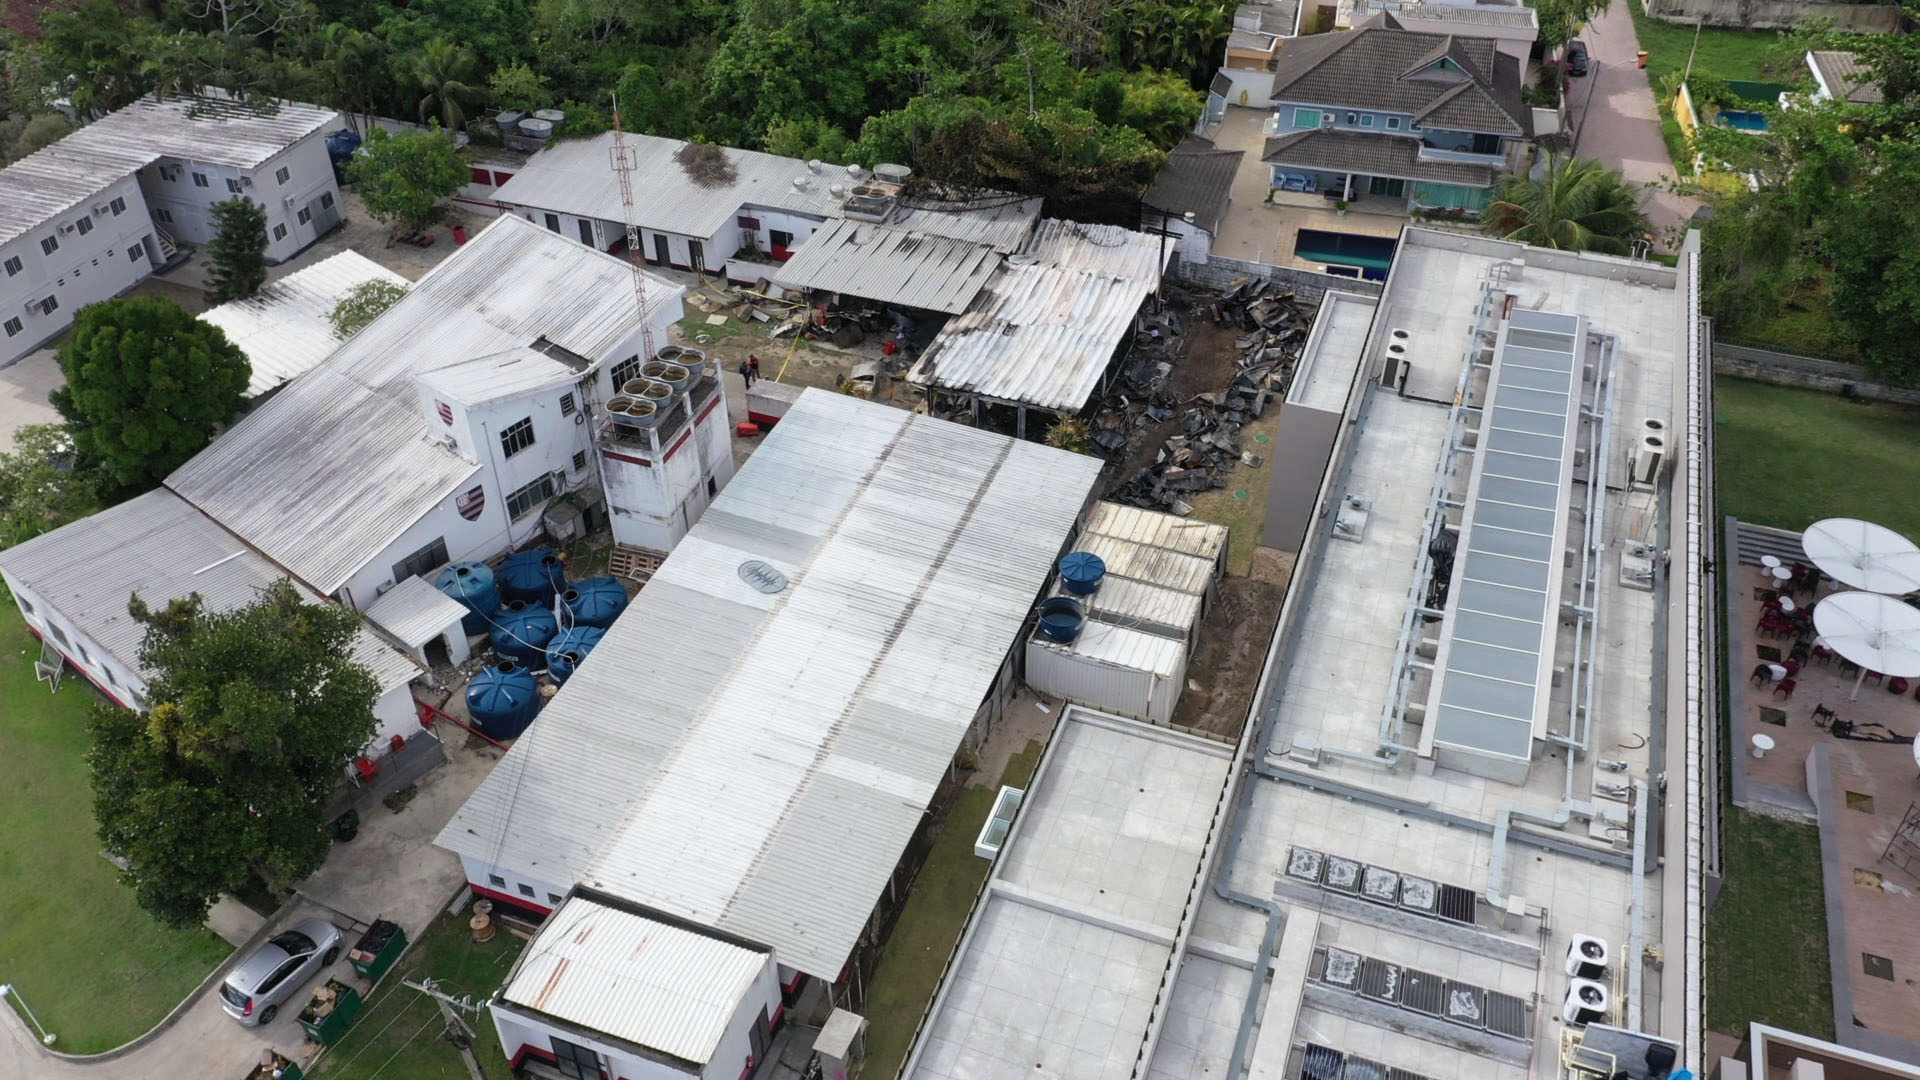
{"points": [[799, 183], [813, 165], [838, 191], [854, 170]]}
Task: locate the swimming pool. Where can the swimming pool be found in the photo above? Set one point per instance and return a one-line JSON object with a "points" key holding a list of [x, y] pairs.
{"points": [[1743, 120], [1345, 249]]}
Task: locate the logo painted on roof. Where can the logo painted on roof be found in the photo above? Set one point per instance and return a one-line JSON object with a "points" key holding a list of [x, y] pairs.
{"points": [[471, 503], [762, 576], [446, 412]]}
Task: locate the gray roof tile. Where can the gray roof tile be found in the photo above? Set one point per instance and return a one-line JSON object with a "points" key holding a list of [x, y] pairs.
{"points": [[1196, 177], [1346, 70], [1371, 154]]}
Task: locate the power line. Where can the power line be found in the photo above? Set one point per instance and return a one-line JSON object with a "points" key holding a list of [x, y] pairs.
{"points": [[403, 1047]]}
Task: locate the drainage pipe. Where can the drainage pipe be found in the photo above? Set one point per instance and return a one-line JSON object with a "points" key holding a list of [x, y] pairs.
{"points": [[1636, 906]]}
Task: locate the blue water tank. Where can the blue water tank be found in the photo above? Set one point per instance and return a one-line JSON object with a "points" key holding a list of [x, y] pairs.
{"points": [[595, 601], [502, 699], [535, 576], [341, 145], [472, 584], [568, 648], [521, 632], [1061, 618], [1081, 571]]}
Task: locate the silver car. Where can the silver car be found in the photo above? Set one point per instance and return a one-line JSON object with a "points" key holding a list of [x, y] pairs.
{"points": [[255, 990]]}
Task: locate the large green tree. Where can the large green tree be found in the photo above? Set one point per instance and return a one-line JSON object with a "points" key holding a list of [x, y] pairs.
{"points": [[253, 714], [147, 384], [238, 250], [444, 75], [403, 177], [40, 490], [1872, 236], [1576, 205]]}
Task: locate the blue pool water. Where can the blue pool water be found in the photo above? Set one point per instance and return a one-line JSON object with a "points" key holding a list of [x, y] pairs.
{"points": [[1743, 120], [1373, 253]]}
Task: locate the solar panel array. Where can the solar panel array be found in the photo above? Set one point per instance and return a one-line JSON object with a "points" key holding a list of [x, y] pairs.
{"points": [[1500, 634]]}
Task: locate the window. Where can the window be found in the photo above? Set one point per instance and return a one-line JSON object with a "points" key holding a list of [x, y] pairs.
{"points": [[553, 222], [326, 200], [49, 245], [1306, 118], [1414, 126], [14, 265], [586, 232], [422, 562], [496, 881], [1366, 119], [84, 225], [624, 370], [1352, 118], [280, 231], [1486, 144], [108, 672], [780, 239], [517, 437], [59, 635], [553, 898], [14, 326], [50, 305], [580, 461], [745, 222], [525, 889], [199, 179], [163, 214], [282, 174], [567, 405], [234, 186], [480, 176], [305, 215], [118, 206], [1393, 123], [82, 650], [575, 1062], [25, 604], [134, 254], [713, 487], [522, 502]]}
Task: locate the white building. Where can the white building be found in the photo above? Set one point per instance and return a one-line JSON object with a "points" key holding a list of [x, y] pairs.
{"points": [[87, 218], [286, 328], [762, 731]]}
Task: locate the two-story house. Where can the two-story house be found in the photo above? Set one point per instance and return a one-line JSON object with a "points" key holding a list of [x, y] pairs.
{"points": [[92, 215], [1397, 117]]}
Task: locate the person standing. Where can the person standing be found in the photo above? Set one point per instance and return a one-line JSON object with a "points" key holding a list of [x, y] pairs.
{"points": [[753, 364], [746, 373]]}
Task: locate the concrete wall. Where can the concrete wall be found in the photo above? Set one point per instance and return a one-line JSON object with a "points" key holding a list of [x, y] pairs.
{"points": [[1776, 14], [1222, 273], [1788, 369], [515, 886]]}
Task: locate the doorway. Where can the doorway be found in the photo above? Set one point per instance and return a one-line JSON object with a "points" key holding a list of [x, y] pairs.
{"points": [[697, 255], [438, 653], [660, 253]]}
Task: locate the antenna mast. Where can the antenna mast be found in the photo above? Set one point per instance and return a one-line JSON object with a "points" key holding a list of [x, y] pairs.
{"points": [[636, 255]]}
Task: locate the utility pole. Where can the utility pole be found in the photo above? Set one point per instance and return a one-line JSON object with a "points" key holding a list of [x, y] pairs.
{"points": [[459, 1033]]}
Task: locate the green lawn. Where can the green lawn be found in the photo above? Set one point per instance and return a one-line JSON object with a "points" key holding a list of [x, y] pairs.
{"points": [[398, 1033], [94, 968], [1766, 954], [1742, 55], [936, 913], [1789, 457]]}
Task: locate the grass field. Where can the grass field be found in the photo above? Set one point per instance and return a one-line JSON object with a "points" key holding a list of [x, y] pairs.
{"points": [[1766, 955], [936, 913], [92, 966], [399, 1033], [1744, 55], [1789, 457]]}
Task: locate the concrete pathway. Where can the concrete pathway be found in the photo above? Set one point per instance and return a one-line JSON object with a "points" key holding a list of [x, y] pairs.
{"points": [[390, 870], [1615, 119]]}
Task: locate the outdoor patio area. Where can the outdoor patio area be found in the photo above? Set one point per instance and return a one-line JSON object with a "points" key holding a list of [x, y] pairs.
{"points": [[1851, 768]]}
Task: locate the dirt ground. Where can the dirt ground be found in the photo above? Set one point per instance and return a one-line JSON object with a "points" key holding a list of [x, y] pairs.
{"points": [[1224, 670]]}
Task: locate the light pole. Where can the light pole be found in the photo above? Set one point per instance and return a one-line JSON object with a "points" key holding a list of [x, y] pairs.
{"points": [[8, 990], [1160, 266]]}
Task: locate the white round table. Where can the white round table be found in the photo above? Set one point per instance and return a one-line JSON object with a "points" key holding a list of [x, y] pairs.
{"points": [[1786, 604], [1776, 672], [1780, 573], [1769, 561], [1761, 744]]}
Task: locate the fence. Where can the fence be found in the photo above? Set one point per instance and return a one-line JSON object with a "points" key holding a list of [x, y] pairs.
{"points": [[1776, 14], [1220, 273], [1789, 369]]}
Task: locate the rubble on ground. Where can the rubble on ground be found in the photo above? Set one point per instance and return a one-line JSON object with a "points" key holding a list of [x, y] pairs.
{"points": [[1206, 443]]}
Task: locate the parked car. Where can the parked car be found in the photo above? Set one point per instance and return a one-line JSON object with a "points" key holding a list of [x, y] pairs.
{"points": [[1576, 57], [255, 990]]}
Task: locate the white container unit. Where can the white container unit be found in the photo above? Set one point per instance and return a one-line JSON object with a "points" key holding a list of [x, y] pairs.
{"points": [[1112, 668]]}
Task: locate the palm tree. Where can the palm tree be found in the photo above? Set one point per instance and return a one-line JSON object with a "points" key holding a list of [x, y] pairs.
{"points": [[1576, 205], [441, 72]]}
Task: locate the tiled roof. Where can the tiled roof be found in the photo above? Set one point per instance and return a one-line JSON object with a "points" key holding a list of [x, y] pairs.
{"points": [[1372, 155], [1846, 77], [1377, 66], [1196, 177]]}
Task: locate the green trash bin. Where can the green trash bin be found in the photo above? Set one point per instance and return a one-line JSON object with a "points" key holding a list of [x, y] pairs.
{"points": [[377, 949], [345, 827], [330, 1012]]}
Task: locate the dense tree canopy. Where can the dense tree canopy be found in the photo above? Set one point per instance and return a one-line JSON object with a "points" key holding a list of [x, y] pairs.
{"points": [[253, 714], [147, 384], [40, 490], [1575, 205], [403, 177], [238, 250]]}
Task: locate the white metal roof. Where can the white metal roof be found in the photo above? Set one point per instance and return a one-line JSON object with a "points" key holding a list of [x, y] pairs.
{"points": [[1155, 529], [415, 612], [575, 176], [1142, 606], [650, 983], [1045, 328], [502, 374], [49, 182], [998, 220], [890, 265], [758, 761], [1125, 647], [160, 547], [1143, 562], [285, 328], [328, 472]]}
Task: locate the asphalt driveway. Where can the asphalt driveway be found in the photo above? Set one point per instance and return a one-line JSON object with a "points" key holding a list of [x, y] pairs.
{"points": [[1616, 120]]}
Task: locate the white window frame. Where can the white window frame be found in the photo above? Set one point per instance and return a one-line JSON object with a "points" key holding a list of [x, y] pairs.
{"points": [[531, 496], [282, 175], [510, 436]]}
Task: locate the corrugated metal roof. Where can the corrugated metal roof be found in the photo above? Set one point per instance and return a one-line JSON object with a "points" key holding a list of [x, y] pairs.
{"points": [[1158, 566], [1124, 647], [503, 374], [415, 612], [51, 181], [328, 472], [164, 549], [1151, 527], [576, 177], [1143, 606], [651, 983], [892, 266], [285, 328], [757, 762], [1045, 328], [1001, 221]]}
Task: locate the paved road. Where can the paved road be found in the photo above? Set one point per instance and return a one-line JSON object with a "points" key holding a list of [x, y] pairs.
{"points": [[1614, 114]]}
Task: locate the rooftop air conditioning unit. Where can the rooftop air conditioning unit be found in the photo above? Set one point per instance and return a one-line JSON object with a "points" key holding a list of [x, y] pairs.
{"points": [[1587, 1003], [1587, 957]]}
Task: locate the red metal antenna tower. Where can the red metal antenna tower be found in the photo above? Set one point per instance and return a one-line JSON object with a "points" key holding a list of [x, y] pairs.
{"points": [[636, 255]]}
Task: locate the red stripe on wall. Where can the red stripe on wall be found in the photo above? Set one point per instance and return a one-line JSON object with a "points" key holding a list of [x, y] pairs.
{"points": [[82, 672], [642, 462], [517, 901]]}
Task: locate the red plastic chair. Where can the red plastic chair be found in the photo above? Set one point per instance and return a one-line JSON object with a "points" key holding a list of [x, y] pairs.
{"points": [[1822, 655], [1896, 685], [1875, 676], [1793, 668], [1785, 688]]}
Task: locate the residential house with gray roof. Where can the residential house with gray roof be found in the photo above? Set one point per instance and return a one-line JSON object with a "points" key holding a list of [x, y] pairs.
{"points": [[1380, 113]]}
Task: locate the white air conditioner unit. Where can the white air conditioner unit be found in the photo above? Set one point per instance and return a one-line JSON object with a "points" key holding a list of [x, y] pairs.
{"points": [[287, 202], [1648, 457], [102, 210], [1587, 1003], [66, 227], [246, 181], [1587, 957]]}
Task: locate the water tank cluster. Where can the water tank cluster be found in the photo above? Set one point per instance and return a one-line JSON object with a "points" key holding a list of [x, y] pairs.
{"points": [[568, 648], [534, 576], [595, 601], [502, 699], [472, 584], [1063, 617], [521, 631]]}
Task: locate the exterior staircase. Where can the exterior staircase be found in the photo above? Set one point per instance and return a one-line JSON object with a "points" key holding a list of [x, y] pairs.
{"points": [[1752, 541]]}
